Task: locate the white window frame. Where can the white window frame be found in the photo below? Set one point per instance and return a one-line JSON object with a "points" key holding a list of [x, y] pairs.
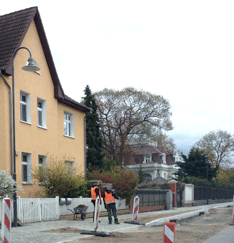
{"points": [[70, 165], [42, 111], [25, 103], [147, 158], [27, 164], [42, 161], [68, 126]]}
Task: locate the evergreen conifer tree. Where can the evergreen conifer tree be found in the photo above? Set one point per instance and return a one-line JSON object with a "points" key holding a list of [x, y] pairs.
{"points": [[196, 164], [94, 142]]}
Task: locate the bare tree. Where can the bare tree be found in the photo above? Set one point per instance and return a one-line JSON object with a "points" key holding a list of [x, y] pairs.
{"points": [[122, 112], [220, 145]]}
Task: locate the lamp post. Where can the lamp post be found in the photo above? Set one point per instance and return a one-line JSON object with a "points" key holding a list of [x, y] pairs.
{"points": [[207, 183], [32, 67]]}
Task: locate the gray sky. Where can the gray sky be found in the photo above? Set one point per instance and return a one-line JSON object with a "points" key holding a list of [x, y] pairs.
{"points": [[182, 50]]}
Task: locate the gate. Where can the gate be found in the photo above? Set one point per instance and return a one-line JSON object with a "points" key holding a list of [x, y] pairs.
{"points": [[37, 209], [179, 197], [49, 210], [29, 210]]}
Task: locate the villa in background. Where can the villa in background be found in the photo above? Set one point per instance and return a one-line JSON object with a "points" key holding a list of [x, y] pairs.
{"points": [[154, 161], [48, 124]]}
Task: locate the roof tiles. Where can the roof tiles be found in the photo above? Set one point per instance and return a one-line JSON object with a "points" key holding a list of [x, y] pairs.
{"points": [[13, 27]]}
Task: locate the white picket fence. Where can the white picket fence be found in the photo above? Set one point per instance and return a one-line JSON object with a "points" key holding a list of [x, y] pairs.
{"points": [[41, 209]]}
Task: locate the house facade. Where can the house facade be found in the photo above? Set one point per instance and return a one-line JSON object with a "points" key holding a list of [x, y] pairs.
{"points": [[48, 124], [154, 161]]}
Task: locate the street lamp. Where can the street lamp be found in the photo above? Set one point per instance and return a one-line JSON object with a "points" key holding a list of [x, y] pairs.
{"points": [[32, 67]]}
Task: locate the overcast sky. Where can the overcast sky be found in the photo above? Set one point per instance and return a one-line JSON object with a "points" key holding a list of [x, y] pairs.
{"points": [[182, 50]]}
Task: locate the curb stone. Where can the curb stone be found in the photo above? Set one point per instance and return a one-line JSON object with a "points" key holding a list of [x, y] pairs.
{"points": [[159, 222]]}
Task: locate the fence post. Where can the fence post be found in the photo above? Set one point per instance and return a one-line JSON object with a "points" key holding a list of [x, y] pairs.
{"points": [[172, 184], [57, 208], [6, 220]]}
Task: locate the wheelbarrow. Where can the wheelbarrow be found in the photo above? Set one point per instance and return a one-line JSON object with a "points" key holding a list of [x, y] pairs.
{"points": [[80, 209]]}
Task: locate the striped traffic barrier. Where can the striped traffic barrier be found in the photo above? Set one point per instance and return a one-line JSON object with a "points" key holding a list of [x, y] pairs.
{"points": [[96, 213], [169, 232], [135, 208], [96, 221], [6, 220], [135, 211], [233, 210], [232, 223]]}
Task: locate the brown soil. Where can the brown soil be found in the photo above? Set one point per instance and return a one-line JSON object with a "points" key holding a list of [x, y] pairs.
{"points": [[63, 230], [196, 229]]}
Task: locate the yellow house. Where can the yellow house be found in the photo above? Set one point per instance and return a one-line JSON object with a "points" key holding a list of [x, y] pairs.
{"points": [[47, 122]]}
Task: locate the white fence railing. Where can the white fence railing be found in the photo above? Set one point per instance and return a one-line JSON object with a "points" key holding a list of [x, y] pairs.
{"points": [[40, 209]]}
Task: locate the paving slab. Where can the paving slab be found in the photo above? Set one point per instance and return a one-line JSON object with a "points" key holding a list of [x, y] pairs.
{"points": [[35, 232]]}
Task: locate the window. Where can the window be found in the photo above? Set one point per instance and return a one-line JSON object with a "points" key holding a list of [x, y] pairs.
{"points": [[68, 124], [26, 168], [41, 112], [147, 158], [42, 160], [25, 113], [70, 165]]}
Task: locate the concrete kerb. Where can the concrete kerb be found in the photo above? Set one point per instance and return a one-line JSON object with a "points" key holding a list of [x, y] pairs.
{"points": [[159, 222]]}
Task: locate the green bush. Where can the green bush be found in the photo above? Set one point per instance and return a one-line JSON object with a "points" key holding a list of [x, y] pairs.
{"points": [[203, 182], [59, 179], [123, 180]]}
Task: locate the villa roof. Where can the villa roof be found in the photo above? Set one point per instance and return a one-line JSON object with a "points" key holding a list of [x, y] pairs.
{"points": [[149, 149]]}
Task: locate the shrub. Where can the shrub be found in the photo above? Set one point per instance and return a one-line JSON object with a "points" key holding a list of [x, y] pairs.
{"points": [[59, 179], [7, 184], [123, 180]]}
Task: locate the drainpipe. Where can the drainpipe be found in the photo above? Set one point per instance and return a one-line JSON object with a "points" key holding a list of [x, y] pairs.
{"points": [[85, 149], [12, 152]]}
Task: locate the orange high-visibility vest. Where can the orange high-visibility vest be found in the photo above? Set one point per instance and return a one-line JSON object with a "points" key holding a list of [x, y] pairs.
{"points": [[109, 198], [93, 193]]}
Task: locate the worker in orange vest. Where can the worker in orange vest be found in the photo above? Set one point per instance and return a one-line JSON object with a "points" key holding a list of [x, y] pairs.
{"points": [[95, 191], [109, 197]]}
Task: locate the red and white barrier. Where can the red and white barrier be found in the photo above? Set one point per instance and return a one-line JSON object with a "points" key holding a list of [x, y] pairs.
{"points": [[233, 210], [169, 232], [96, 213], [6, 220], [135, 208]]}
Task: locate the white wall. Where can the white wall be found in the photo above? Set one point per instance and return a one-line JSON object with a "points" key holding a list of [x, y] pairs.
{"points": [[63, 209]]}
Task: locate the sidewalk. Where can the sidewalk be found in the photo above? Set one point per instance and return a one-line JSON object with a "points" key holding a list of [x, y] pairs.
{"points": [[32, 232], [226, 235]]}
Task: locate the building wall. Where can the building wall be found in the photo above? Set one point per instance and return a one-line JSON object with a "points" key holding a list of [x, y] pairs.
{"points": [[30, 138], [4, 126]]}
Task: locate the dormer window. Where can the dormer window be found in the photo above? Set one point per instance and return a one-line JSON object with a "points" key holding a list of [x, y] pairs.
{"points": [[147, 158]]}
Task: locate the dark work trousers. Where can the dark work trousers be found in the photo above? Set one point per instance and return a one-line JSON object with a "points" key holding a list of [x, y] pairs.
{"points": [[111, 209]]}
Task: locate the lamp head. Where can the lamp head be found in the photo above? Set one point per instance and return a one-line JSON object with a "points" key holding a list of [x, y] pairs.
{"points": [[31, 65]]}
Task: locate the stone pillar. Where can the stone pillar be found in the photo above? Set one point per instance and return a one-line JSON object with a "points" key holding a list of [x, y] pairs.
{"points": [[172, 184], [169, 200]]}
